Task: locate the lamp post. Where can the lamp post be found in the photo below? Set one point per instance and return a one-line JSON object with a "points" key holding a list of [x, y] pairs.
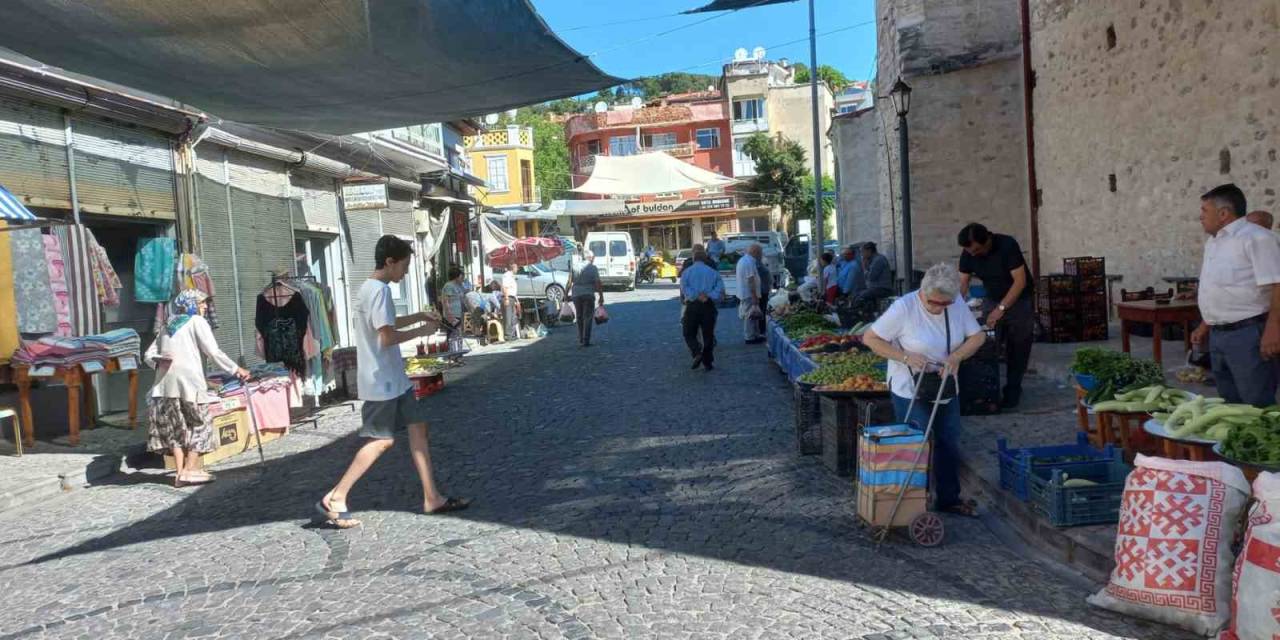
{"points": [[901, 96]]}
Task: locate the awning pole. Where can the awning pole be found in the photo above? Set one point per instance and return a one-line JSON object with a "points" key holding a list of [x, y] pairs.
{"points": [[71, 167]]}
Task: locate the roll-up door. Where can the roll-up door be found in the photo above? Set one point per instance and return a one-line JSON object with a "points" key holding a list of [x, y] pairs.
{"points": [[263, 233], [33, 154], [365, 227], [317, 203], [216, 248], [122, 170], [398, 217]]}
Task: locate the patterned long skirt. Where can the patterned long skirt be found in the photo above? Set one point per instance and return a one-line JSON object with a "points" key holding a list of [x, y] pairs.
{"points": [[178, 423]]}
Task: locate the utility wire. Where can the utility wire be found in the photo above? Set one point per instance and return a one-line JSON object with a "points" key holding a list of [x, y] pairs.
{"points": [[619, 22]]}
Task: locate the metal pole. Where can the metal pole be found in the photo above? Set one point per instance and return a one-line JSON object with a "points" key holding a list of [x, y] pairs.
{"points": [[815, 247], [905, 181]]}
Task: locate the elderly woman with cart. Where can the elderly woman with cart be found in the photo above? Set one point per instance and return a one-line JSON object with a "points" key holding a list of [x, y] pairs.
{"points": [[925, 335]]}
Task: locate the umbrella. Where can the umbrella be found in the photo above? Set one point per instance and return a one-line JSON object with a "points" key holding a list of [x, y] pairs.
{"points": [[525, 251]]}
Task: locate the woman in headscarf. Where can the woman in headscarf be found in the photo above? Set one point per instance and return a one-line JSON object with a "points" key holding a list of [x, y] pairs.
{"points": [[179, 417]]}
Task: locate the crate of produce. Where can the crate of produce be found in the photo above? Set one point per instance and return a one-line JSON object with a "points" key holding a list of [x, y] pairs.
{"points": [[1092, 284], [807, 419], [1084, 266], [1094, 332], [1057, 303], [1083, 494], [1057, 284], [1016, 464], [1093, 302]]}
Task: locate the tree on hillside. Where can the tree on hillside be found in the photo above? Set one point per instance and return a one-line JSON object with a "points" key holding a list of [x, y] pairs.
{"points": [[831, 76], [668, 83], [804, 204], [781, 168]]}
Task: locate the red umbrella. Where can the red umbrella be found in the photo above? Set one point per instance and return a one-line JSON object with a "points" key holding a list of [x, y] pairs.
{"points": [[525, 251]]}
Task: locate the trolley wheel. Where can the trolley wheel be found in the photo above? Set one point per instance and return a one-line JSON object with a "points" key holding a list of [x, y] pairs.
{"points": [[926, 530]]}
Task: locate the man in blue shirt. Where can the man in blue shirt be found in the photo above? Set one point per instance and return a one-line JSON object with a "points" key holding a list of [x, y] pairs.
{"points": [[852, 280], [701, 287], [715, 248]]}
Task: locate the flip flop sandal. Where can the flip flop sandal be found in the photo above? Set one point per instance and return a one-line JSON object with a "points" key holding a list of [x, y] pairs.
{"points": [[450, 504], [183, 481], [965, 508], [339, 519]]}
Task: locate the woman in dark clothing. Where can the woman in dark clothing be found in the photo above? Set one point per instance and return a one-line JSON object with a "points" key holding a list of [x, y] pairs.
{"points": [[585, 287]]}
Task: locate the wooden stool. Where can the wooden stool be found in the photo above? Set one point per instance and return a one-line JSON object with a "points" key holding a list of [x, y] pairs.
{"points": [[1126, 430], [10, 412], [1082, 420]]}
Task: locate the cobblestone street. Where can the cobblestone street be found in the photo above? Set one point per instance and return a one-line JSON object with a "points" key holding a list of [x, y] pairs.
{"points": [[617, 494]]}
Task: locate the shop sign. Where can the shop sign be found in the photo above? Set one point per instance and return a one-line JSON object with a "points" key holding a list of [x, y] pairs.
{"points": [[708, 204], [368, 195]]}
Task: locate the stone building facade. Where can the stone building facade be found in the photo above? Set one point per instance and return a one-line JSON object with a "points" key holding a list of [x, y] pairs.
{"points": [[1142, 106], [857, 134]]}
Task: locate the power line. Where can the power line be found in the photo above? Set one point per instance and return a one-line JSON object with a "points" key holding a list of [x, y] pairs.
{"points": [[619, 22]]}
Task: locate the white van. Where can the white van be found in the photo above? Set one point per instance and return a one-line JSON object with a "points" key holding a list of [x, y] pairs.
{"points": [[615, 257]]}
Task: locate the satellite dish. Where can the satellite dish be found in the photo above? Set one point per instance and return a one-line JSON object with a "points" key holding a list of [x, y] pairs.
{"points": [[757, 53], [637, 102], [491, 119], [602, 107], [739, 55], [511, 113]]}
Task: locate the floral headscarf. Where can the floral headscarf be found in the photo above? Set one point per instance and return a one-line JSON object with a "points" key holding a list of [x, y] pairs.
{"points": [[184, 306]]}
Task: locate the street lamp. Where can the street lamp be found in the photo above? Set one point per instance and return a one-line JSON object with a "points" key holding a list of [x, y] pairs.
{"points": [[901, 96]]}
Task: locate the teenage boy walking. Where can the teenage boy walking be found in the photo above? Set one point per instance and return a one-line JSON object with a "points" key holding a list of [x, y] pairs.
{"points": [[389, 405]]}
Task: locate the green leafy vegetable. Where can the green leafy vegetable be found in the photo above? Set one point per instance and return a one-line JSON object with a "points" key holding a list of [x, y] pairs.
{"points": [[1115, 372]]}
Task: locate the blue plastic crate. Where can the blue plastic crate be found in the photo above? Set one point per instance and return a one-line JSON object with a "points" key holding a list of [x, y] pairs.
{"points": [[1074, 506], [1016, 464], [1086, 381]]}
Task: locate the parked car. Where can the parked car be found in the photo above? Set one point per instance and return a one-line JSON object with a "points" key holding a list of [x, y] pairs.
{"points": [[615, 257], [796, 254], [680, 257], [540, 283], [772, 243]]}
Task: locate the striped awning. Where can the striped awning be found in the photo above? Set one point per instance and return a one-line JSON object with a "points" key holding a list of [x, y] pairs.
{"points": [[12, 209]]}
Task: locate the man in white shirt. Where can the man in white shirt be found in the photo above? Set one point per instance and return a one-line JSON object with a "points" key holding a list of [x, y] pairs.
{"points": [[1238, 299], [389, 404], [748, 276], [510, 304]]}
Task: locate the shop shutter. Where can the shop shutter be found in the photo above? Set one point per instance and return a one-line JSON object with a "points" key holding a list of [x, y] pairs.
{"points": [[123, 170], [215, 245], [260, 210], [365, 227], [317, 203], [398, 217], [33, 154]]}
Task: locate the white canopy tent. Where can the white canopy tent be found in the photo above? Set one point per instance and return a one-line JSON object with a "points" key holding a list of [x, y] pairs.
{"points": [[648, 173]]}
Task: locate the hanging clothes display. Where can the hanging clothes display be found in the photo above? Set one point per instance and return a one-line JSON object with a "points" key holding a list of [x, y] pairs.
{"points": [[281, 318], [105, 280], [58, 284], [154, 270], [8, 321], [86, 310], [33, 295], [192, 273]]}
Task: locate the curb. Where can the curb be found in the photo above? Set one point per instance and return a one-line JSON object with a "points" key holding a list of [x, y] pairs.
{"points": [[40, 489]]}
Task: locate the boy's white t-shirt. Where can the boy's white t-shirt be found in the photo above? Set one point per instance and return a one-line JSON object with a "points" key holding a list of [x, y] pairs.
{"points": [[908, 325], [381, 373]]}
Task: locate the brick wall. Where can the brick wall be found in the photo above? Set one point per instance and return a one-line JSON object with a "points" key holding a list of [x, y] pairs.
{"points": [[1179, 96]]}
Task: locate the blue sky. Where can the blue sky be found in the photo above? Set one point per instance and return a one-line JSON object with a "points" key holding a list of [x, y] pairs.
{"points": [[634, 48]]}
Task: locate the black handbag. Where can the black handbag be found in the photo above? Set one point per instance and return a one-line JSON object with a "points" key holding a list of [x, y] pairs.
{"points": [[929, 385]]}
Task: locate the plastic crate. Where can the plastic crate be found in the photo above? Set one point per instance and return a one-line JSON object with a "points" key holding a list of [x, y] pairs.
{"points": [[1016, 464], [1092, 284], [807, 420], [1057, 284], [1062, 506], [1084, 266]]}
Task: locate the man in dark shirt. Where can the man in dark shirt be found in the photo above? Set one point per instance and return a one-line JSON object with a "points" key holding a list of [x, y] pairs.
{"points": [[997, 260], [875, 270]]}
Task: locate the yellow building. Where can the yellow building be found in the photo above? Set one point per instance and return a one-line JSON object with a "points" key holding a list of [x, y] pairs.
{"points": [[503, 157]]}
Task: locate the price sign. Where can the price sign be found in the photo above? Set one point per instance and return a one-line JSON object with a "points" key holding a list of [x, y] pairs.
{"points": [[128, 363], [91, 366], [40, 372]]}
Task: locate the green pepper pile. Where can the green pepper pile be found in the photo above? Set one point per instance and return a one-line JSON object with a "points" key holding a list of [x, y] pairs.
{"points": [[1116, 372], [805, 323], [848, 366]]}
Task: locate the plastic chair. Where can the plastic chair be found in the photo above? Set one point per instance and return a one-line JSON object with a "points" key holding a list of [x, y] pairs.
{"points": [[10, 412]]}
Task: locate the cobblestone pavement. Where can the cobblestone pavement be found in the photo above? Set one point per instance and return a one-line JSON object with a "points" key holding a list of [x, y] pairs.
{"points": [[617, 495]]}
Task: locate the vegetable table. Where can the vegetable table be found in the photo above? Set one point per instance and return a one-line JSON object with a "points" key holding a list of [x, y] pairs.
{"points": [[1182, 312]]}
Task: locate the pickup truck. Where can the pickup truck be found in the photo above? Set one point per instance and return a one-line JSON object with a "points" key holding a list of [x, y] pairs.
{"points": [[771, 242]]}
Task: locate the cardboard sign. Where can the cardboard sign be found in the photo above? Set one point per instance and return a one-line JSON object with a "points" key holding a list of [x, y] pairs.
{"points": [[41, 372], [128, 363], [92, 366]]}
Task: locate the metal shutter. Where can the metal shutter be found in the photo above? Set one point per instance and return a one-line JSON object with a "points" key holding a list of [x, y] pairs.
{"points": [[398, 218], [365, 227], [260, 211], [33, 154], [123, 171], [216, 247], [317, 203]]}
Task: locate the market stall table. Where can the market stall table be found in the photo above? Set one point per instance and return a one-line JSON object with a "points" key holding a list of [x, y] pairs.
{"points": [[78, 379], [790, 359], [1178, 311]]}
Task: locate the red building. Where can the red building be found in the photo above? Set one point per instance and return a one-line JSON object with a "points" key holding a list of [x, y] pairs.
{"points": [[693, 127]]}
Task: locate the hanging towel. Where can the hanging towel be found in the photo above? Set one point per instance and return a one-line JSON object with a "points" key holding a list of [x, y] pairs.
{"points": [[153, 270], [58, 284], [8, 307], [86, 311], [105, 280], [32, 292]]}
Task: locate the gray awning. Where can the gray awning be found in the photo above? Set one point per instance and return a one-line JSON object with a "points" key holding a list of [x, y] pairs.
{"points": [[734, 5], [339, 66]]}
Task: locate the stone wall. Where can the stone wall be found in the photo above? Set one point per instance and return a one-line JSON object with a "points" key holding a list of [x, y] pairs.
{"points": [[1141, 106], [857, 143]]}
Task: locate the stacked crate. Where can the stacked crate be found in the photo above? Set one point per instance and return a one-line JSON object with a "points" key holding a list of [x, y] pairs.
{"points": [[1073, 305]]}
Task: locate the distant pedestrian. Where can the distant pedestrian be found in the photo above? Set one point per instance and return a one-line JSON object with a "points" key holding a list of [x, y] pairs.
{"points": [[747, 274], [1237, 297], [830, 280], [511, 304], [455, 293], [1262, 219], [706, 259], [179, 422], [701, 287], [585, 287], [715, 248], [389, 403]]}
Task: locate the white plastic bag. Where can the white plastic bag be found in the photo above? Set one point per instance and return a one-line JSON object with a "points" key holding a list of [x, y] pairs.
{"points": [[1255, 602], [1173, 545], [602, 316], [567, 313]]}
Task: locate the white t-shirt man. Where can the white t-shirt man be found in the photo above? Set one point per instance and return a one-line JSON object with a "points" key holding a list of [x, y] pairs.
{"points": [[381, 373], [748, 277], [509, 288], [1240, 264], [909, 326]]}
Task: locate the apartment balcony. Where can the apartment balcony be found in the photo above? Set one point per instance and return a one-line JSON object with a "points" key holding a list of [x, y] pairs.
{"points": [[511, 137], [679, 150], [586, 164], [749, 126]]}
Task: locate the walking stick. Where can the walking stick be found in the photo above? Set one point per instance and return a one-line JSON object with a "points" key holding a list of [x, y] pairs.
{"points": [[253, 419]]}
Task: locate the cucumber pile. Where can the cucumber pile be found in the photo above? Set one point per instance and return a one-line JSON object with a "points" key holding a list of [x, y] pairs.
{"points": [[1208, 418], [1149, 399]]}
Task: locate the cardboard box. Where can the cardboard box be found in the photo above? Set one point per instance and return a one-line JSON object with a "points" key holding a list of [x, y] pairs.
{"points": [[231, 436], [876, 503]]}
